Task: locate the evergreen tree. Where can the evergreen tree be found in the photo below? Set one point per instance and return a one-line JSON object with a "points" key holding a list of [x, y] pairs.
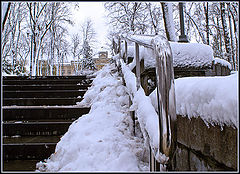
{"points": [[88, 35], [87, 54]]}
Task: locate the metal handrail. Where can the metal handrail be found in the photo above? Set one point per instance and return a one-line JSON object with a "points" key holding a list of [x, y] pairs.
{"points": [[165, 82], [130, 39]]}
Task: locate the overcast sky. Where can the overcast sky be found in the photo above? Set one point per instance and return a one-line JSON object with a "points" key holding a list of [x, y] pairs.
{"points": [[94, 11]]}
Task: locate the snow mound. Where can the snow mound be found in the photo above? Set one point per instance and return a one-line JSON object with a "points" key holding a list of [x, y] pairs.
{"points": [[101, 140], [214, 99]]}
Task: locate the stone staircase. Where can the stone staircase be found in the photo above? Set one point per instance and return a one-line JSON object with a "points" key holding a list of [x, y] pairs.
{"points": [[37, 111]]}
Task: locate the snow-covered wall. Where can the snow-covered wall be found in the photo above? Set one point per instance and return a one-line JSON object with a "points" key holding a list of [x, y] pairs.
{"points": [[207, 122], [194, 55], [185, 55], [214, 99], [222, 62]]}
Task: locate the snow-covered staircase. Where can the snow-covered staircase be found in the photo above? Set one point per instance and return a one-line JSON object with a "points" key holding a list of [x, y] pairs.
{"points": [[37, 111]]}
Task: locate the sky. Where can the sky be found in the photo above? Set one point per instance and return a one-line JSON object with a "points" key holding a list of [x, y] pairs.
{"points": [[96, 12]]}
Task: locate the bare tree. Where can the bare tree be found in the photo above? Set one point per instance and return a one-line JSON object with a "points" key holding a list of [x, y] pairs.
{"points": [[205, 7], [215, 24], [127, 16], [233, 21], [12, 32], [225, 31], [155, 16], [40, 23], [76, 50]]}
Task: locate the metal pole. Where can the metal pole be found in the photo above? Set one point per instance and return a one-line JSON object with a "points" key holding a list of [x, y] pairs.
{"points": [[125, 59], [31, 56], [182, 37], [62, 65], [137, 64]]}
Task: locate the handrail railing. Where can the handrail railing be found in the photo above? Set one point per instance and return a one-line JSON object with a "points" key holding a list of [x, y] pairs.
{"points": [[165, 86]]}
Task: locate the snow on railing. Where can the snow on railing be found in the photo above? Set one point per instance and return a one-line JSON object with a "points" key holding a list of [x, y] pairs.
{"points": [[158, 127]]}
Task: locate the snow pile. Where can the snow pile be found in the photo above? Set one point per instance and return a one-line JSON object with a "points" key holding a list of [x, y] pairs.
{"points": [[101, 140], [223, 62], [214, 99], [86, 72], [185, 55]]}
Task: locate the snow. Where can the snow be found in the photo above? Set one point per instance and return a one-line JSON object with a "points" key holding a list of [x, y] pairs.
{"points": [[146, 114], [214, 99], [130, 80], [185, 55], [222, 62], [191, 55], [101, 140], [144, 39], [144, 53]]}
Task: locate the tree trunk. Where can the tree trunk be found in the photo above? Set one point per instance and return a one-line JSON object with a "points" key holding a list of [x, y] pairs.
{"points": [[219, 36], [168, 22], [235, 23], [225, 32], [207, 22], [6, 16], [231, 37]]}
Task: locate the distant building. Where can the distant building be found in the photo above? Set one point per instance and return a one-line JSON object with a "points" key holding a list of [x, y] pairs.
{"points": [[103, 54], [64, 69], [45, 68], [70, 68], [102, 59]]}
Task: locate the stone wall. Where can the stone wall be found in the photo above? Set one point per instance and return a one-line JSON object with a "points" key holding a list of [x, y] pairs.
{"points": [[219, 70], [202, 148]]}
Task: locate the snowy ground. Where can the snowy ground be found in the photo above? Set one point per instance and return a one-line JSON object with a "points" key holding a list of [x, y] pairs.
{"points": [[101, 140]]}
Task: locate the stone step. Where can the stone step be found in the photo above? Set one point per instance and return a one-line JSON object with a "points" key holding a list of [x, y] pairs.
{"points": [[28, 151], [44, 93], [38, 128], [31, 131], [42, 112], [45, 77], [46, 81], [30, 139], [29, 147], [19, 165], [45, 87], [40, 101]]}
